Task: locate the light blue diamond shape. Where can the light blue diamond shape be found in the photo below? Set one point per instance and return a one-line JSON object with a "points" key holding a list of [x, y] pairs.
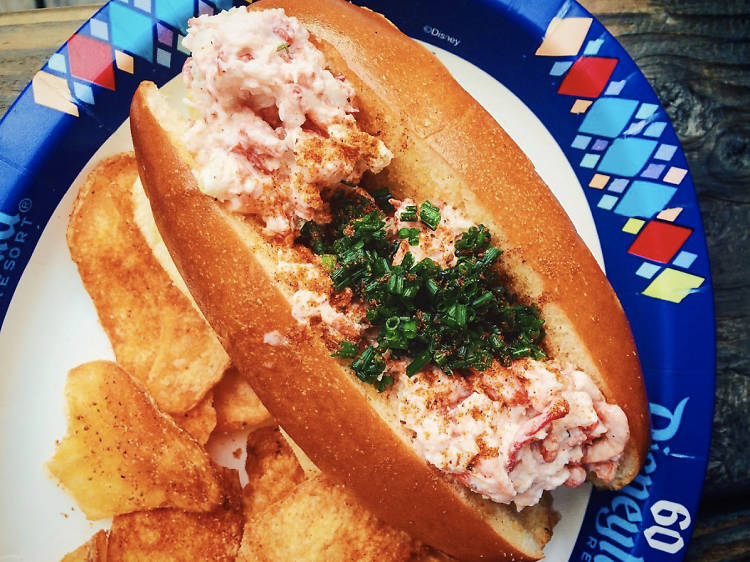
{"points": [[163, 57], [560, 68], [665, 152], [593, 46], [645, 199], [607, 202], [626, 156], [581, 142], [655, 129], [652, 171], [647, 270], [684, 259], [83, 92], [618, 185], [131, 31], [99, 29], [608, 116], [646, 110], [174, 13], [636, 127], [589, 160], [57, 62], [180, 46], [615, 88]]}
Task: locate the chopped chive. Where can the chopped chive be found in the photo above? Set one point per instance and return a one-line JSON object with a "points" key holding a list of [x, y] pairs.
{"points": [[432, 286], [418, 363], [409, 214], [484, 298], [411, 233], [430, 215], [328, 261], [459, 318], [383, 198], [346, 350]]}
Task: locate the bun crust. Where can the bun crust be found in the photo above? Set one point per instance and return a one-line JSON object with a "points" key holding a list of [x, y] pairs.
{"points": [[444, 145]]}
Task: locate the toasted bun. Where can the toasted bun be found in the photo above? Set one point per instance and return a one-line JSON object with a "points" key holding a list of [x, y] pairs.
{"points": [[444, 144]]}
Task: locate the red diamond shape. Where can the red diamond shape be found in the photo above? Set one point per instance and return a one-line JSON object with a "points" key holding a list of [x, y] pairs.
{"points": [[659, 241], [587, 77], [91, 60]]}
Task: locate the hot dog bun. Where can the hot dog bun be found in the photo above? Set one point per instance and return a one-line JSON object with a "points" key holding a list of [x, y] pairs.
{"points": [[446, 147]]}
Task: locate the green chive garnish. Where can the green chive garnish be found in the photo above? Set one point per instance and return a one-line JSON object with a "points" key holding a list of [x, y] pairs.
{"points": [[430, 215]]}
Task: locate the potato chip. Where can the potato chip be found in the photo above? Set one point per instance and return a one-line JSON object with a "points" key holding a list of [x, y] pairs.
{"points": [[121, 454], [200, 420], [156, 333], [272, 469], [290, 517], [177, 535], [237, 406], [319, 520], [94, 550]]}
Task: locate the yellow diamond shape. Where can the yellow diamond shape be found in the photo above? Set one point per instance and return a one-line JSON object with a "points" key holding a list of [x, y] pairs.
{"points": [[633, 226], [672, 285]]}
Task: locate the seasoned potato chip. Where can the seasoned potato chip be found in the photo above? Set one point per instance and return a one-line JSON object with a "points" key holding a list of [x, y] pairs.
{"points": [[289, 517], [177, 535], [319, 520], [237, 406], [200, 420], [272, 469], [121, 454], [94, 550], [156, 333]]}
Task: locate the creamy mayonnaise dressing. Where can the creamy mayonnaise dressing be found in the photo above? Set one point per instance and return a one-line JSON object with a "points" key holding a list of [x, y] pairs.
{"points": [[512, 433], [308, 306], [439, 244], [272, 126]]}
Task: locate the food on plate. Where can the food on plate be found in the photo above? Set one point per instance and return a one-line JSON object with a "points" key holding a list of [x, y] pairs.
{"points": [[291, 517], [272, 469], [200, 420], [157, 336], [237, 406], [380, 260], [93, 550], [171, 534], [320, 520], [121, 454], [175, 534]]}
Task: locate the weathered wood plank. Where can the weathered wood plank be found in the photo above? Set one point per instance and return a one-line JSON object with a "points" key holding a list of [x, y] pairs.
{"points": [[56, 15], [48, 36], [721, 535]]}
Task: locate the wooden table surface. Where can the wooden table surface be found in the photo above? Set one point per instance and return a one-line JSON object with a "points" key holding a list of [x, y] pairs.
{"points": [[696, 54]]}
